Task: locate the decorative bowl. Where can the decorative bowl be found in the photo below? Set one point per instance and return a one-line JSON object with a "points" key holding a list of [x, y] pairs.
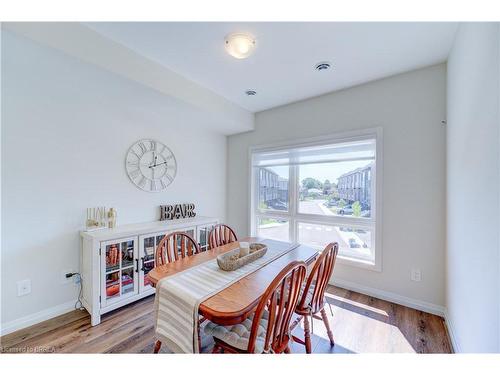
{"points": [[231, 260]]}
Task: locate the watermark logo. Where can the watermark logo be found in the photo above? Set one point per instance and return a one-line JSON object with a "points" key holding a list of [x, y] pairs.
{"points": [[28, 349]]}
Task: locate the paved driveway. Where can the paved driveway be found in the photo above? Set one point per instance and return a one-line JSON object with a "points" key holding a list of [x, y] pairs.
{"points": [[315, 207]]}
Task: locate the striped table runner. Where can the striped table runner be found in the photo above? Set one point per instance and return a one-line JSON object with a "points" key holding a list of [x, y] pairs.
{"points": [[178, 297]]}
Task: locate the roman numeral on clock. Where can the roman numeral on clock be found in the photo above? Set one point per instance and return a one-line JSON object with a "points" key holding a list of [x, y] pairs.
{"points": [[142, 146], [135, 173], [135, 154]]}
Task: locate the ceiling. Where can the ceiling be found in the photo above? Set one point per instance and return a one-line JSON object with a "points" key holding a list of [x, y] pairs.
{"points": [[281, 69]]}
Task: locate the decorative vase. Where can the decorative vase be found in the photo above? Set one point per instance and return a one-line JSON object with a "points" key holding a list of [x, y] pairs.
{"points": [[112, 218]]}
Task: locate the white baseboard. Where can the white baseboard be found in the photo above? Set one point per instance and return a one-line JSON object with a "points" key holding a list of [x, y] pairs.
{"points": [[391, 297], [29, 320], [52, 312], [451, 332]]}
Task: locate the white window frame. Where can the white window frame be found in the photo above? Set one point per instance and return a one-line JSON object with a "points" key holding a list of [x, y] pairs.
{"points": [[293, 216]]}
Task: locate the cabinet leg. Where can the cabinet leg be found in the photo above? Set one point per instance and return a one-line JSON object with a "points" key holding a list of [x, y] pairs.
{"points": [[95, 319]]}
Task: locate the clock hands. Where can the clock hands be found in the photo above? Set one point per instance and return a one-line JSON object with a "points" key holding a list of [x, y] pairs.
{"points": [[153, 163], [156, 165]]}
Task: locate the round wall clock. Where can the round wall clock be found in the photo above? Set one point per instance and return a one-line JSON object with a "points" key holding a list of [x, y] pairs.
{"points": [[150, 165]]}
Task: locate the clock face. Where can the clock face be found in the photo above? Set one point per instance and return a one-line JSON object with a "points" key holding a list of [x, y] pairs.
{"points": [[150, 165]]}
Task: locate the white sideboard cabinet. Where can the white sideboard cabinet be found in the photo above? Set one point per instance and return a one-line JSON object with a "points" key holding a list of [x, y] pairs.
{"points": [[114, 263]]}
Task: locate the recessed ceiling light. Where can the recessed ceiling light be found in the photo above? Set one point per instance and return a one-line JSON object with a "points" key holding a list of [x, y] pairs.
{"points": [[324, 65], [251, 92], [240, 45]]}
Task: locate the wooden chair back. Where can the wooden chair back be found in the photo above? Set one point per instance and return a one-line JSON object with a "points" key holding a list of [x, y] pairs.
{"points": [[221, 234], [279, 300], [175, 246], [313, 296]]}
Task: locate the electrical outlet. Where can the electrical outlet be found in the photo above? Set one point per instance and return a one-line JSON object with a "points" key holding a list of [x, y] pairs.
{"points": [[23, 287], [77, 279], [64, 279], [416, 274]]}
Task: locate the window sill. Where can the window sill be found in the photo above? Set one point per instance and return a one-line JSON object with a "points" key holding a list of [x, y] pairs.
{"points": [[359, 263]]}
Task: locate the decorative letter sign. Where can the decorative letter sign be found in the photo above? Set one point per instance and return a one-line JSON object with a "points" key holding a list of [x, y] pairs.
{"points": [[177, 211]]}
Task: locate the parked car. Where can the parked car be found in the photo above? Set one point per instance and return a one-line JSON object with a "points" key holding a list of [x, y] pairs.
{"points": [[347, 210], [278, 205]]}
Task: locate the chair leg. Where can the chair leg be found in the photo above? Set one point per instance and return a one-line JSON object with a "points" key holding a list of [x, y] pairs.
{"points": [[216, 349], [157, 346], [307, 335], [327, 325]]}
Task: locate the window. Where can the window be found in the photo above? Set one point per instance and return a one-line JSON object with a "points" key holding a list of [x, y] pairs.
{"points": [[319, 192], [273, 188], [273, 228]]}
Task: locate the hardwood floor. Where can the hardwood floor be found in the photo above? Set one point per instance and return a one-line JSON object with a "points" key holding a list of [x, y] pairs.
{"points": [[360, 324]]}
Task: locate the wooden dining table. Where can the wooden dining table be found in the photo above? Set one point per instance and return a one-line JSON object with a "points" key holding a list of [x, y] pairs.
{"points": [[235, 303]]}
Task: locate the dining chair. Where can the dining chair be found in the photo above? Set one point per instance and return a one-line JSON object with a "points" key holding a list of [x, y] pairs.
{"points": [[267, 330], [172, 247], [221, 234], [175, 246], [312, 299]]}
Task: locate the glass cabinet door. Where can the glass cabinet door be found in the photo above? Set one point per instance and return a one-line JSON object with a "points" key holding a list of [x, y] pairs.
{"points": [[191, 231], [147, 257], [120, 276], [203, 233], [148, 244]]}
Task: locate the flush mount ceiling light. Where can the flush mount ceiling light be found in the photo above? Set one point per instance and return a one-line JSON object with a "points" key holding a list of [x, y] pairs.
{"points": [[240, 45], [251, 92], [324, 65]]}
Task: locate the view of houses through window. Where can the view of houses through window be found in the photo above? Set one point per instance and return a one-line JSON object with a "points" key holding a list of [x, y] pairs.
{"points": [[330, 202], [273, 188]]}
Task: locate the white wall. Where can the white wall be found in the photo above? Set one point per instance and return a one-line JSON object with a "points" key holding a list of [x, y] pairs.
{"points": [[66, 128], [80, 41], [409, 107], [473, 167]]}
